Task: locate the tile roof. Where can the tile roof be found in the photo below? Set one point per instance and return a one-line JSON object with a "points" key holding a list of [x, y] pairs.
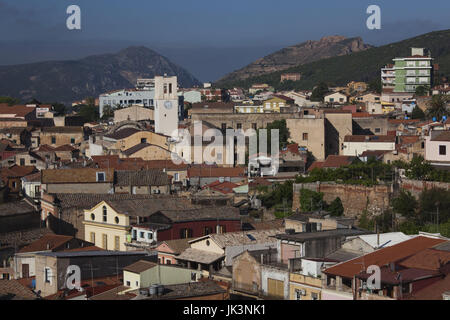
{"points": [[205, 213], [216, 172], [429, 259], [80, 175], [245, 237], [18, 111], [122, 134], [223, 187], [15, 207], [140, 266], [201, 256], [62, 129], [145, 207], [178, 245], [151, 177], [34, 177], [14, 290], [16, 171], [139, 147], [335, 161], [383, 256], [89, 200], [47, 242], [374, 138], [188, 290], [433, 291], [444, 136]]}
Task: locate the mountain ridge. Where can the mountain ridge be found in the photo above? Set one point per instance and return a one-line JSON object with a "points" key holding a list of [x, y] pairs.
{"points": [[358, 66], [301, 53], [71, 80]]}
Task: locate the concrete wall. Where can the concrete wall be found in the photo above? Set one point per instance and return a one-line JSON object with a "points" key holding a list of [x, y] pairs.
{"points": [[357, 148], [363, 126], [315, 130], [134, 113], [337, 126], [268, 272]]}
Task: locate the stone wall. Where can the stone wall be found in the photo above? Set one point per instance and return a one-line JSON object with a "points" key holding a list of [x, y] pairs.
{"points": [[417, 186], [355, 198]]}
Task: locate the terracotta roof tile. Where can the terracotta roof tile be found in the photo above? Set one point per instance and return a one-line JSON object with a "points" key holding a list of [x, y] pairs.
{"points": [[216, 172], [47, 242], [81, 175], [384, 256]]}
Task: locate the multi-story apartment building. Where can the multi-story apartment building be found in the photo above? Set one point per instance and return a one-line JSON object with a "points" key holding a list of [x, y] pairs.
{"points": [[408, 73]]}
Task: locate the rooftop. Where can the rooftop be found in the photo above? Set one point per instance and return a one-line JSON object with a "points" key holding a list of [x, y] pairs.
{"points": [[140, 266], [152, 177], [79, 175], [47, 242]]}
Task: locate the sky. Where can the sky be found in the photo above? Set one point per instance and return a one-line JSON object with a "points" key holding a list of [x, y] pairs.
{"points": [[208, 38]]}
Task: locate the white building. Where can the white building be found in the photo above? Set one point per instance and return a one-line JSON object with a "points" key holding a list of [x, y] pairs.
{"points": [[127, 97], [356, 145], [336, 97], [166, 105]]}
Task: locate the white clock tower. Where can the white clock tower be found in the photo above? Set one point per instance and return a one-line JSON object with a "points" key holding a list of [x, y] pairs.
{"points": [[166, 105]]}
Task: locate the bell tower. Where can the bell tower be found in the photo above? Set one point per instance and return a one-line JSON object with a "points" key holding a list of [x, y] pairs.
{"points": [[166, 105]]}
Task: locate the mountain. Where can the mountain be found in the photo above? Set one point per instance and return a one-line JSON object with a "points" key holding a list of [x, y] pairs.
{"points": [[67, 81], [358, 66], [302, 53]]}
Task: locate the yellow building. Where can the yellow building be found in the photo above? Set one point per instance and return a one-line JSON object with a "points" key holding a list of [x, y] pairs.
{"points": [[387, 107], [105, 227], [303, 287], [275, 104], [249, 109]]}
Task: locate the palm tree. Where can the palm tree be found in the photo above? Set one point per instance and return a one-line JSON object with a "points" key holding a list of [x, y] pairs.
{"points": [[438, 106]]}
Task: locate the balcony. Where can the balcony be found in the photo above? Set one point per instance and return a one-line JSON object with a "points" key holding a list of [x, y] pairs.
{"points": [[252, 290]]}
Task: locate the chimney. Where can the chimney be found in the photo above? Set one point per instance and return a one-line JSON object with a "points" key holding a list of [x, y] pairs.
{"points": [[378, 237], [262, 258]]}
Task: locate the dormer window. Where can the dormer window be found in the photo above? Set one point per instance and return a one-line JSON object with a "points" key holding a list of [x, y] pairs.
{"points": [[100, 176]]}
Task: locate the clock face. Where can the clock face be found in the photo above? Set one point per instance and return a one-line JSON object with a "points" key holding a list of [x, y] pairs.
{"points": [[168, 105]]}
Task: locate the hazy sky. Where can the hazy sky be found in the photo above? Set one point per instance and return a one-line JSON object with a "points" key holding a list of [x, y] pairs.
{"points": [[209, 38]]}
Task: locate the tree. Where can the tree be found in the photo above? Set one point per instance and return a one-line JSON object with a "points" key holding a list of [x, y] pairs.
{"points": [[283, 134], [437, 107], [418, 168], [319, 92], [405, 204], [108, 112], [89, 113], [422, 91], [336, 208], [33, 101], [417, 113], [375, 85], [277, 194], [9, 100], [310, 200], [59, 108], [433, 200]]}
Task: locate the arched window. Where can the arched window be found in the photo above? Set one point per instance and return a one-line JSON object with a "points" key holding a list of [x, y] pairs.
{"points": [[105, 213]]}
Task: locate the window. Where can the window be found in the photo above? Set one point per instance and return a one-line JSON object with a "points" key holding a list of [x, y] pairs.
{"points": [[22, 161], [314, 296], [207, 230], [105, 241], [298, 294], [116, 243], [143, 140], [239, 126], [305, 136], [224, 126], [53, 140], [92, 216], [168, 261], [72, 140], [254, 126], [150, 236], [185, 233], [32, 161], [177, 177], [422, 145], [442, 150], [141, 234], [48, 275], [128, 284], [105, 214], [221, 229], [377, 130], [116, 220], [137, 283], [100, 176], [193, 276]]}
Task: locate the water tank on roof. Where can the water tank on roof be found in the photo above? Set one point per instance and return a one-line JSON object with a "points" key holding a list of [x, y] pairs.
{"points": [[153, 289]]}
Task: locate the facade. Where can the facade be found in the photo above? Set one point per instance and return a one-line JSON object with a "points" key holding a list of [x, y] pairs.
{"points": [[356, 145], [133, 113], [143, 274], [166, 105], [126, 98], [437, 148], [336, 98], [408, 73], [290, 77]]}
